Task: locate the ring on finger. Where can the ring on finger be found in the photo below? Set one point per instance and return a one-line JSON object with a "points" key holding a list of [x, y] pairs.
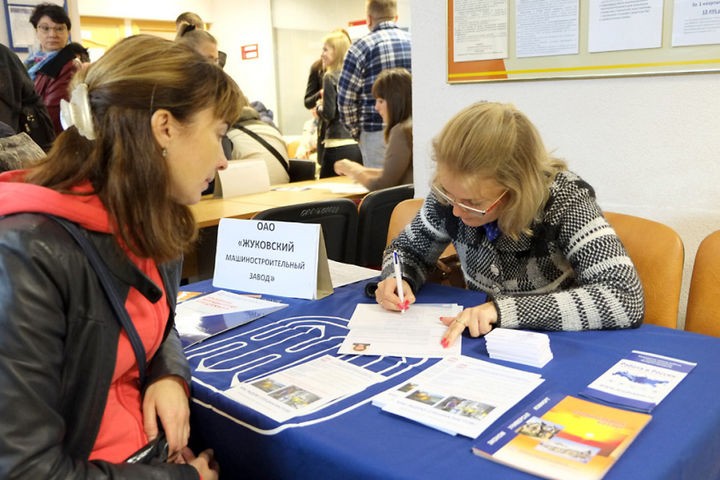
{"points": [[460, 323]]}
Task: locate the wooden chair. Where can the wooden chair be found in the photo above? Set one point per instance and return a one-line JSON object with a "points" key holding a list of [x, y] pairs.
{"points": [[338, 219], [703, 309], [374, 214], [402, 215], [658, 254]]}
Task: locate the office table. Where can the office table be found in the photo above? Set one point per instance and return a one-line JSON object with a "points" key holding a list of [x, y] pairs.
{"points": [[199, 262], [353, 439], [209, 211]]}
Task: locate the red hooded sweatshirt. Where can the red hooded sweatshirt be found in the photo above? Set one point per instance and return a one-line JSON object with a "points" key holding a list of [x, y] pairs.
{"points": [[121, 430]]}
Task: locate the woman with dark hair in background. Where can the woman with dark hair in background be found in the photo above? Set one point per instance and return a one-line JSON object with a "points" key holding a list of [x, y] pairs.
{"points": [[393, 101], [146, 123], [53, 66]]}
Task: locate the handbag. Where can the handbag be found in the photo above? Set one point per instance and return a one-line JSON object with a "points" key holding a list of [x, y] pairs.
{"points": [[155, 451], [35, 121]]}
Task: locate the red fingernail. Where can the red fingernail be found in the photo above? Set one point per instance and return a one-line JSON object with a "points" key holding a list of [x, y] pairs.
{"points": [[444, 342]]}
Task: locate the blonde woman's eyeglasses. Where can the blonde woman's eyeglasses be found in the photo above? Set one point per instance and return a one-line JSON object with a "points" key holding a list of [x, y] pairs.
{"points": [[445, 199]]}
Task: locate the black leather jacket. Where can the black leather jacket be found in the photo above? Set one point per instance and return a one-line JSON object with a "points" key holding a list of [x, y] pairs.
{"points": [[58, 345]]}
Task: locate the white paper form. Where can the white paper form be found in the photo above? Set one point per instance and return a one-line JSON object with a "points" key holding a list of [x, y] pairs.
{"points": [[303, 389], [624, 25], [696, 23], [463, 395], [346, 273], [480, 30], [546, 27], [413, 333]]}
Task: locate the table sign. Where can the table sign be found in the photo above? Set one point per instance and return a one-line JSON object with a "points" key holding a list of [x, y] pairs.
{"points": [[286, 259], [242, 177]]}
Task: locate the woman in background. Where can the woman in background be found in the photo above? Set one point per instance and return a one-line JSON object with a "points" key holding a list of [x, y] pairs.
{"points": [[52, 67], [529, 233], [393, 101], [199, 40], [147, 121], [337, 142]]}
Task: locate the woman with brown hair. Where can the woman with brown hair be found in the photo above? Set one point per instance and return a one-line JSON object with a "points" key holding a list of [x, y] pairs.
{"points": [[393, 101], [146, 122]]}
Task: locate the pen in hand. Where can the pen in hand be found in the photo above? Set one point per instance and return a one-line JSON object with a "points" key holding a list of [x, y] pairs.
{"points": [[398, 280]]}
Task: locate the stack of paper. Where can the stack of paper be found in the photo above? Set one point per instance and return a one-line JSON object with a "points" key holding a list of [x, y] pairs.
{"points": [[304, 388], [459, 395], [520, 346]]}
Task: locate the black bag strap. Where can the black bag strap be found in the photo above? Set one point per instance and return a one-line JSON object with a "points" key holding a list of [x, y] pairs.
{"points": [[103, 274], [265, 144]]}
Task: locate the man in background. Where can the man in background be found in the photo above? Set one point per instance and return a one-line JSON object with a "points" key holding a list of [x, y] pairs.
{"points": [[386, 46]]}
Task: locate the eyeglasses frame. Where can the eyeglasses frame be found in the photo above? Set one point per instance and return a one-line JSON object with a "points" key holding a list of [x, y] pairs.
{"points": [[446, 198]]}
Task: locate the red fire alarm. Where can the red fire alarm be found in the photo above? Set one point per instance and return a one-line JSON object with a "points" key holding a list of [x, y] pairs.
{"points": [[249, 52]]}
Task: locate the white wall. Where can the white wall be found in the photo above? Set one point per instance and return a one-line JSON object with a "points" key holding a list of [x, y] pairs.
{"points": [[649, 145]]}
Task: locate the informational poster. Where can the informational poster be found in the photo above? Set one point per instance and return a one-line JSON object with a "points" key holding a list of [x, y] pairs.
{"points": [[481, 31], [627, 25], [696, 23], [493, 40], [546, 27]]}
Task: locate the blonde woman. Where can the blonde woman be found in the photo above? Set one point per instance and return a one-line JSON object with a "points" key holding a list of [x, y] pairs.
{"points": [[529, 233], [338, 143]]}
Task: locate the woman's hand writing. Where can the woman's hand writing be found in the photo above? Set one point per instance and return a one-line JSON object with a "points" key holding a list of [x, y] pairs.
{"points": [[387, 297]]}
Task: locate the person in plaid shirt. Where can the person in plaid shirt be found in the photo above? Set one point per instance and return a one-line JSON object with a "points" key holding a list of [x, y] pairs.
{"points": [[386, 46]]}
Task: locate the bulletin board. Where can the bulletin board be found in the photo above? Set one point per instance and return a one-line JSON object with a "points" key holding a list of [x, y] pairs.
{"points": [[17, 15], [499, 40]]}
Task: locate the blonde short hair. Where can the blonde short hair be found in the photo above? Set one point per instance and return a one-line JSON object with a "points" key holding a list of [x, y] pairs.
{"points": [[382, 9], [498, 141]]}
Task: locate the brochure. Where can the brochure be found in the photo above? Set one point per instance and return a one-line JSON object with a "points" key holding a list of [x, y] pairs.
{"points": [[639, 381], [563, 437], [303, 389], [203, 316], [459, 395]]}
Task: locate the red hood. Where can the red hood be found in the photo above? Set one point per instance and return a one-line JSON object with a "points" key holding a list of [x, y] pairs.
{"points": [[86, 210]]}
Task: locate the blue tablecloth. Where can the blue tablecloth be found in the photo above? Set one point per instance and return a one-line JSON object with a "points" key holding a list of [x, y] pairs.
{"points": [[353, 439]]}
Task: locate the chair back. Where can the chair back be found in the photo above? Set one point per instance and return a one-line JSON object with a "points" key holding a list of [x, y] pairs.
{"points": [[658, 254], [402, 215], [338, 219], [703, 309], [374, 217]]}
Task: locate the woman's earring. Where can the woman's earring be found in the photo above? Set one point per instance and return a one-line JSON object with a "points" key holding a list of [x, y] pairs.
{"points": [[164, 152]]}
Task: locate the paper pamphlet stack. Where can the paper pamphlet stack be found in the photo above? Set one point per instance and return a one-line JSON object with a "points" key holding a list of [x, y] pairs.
{"points": [[520, 346], [459, 395]]}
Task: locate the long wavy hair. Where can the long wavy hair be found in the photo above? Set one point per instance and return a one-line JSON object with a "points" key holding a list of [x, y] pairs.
{"points": [[125, 163], [498, 141]]}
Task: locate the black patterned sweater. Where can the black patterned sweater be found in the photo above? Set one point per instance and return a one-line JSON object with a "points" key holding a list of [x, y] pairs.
{"points": [[571, 273]]}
